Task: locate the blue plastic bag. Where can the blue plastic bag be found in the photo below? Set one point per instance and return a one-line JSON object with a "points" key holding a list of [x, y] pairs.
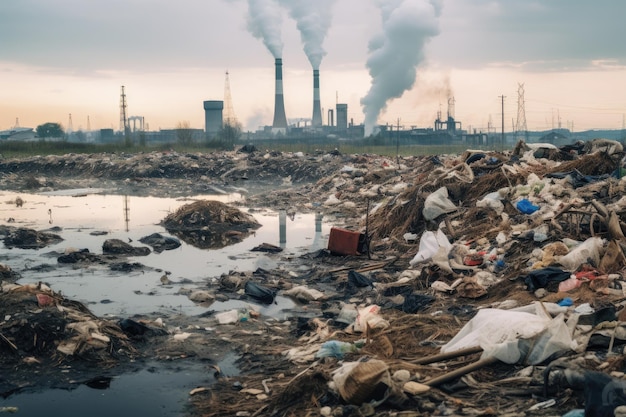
{"points": [[526, 207], [335, 349]]}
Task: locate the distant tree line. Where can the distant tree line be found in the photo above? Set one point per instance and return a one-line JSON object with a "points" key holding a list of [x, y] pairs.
{"points": [[50, 130]]}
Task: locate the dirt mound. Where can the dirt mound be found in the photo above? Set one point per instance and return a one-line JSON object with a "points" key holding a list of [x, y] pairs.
{"points": [[210, 224]]}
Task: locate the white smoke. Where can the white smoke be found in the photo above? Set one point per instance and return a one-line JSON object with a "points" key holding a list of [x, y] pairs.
{"points": [[396, 53], [264, 22], [313, 18]]}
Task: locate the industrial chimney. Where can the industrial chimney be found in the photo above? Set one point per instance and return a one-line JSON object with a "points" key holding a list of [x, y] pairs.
{"points": [[280, 120], [317, 109]]}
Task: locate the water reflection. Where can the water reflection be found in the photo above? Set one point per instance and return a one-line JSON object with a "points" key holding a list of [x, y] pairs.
{"points": [[86, 222], [318, 241], [282, 228]]}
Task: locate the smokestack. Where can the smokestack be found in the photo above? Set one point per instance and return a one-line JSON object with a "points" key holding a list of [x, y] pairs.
{"points": [[317, 109], [280, 120]]}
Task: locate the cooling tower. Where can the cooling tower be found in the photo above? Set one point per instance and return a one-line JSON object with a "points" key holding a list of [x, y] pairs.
{"points": [[213, 117], [280, 120], [317, 108]]}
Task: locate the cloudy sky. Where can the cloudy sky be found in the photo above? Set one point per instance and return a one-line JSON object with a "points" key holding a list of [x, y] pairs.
{"points": [[393, 61]]}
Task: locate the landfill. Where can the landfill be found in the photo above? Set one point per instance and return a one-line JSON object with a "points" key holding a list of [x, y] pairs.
{"points": [[483, 283]]}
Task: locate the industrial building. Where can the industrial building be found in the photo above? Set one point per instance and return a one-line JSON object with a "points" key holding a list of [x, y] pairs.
{"points": [[213, 117]]}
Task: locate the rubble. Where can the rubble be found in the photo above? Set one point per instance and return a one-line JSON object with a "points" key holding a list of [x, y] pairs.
{"points": [[493, 282]]}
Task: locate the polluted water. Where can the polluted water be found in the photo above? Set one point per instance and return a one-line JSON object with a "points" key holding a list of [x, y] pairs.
{"points": [[85, 219]]}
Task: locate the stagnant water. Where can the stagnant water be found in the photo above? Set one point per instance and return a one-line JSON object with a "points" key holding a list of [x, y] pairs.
{"points": [[75, 215]]}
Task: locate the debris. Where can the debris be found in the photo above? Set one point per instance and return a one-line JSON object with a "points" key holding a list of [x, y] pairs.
{"points": [[346, 242], [210, 224]]}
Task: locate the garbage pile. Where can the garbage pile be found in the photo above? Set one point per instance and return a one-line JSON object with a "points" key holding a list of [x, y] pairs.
{"points": [[210, 224], [43, 327], [183, 174], [496, 287]]}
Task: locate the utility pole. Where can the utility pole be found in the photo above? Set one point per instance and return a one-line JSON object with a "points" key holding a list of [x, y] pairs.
{"points": [[502, 138], [522, 128]]}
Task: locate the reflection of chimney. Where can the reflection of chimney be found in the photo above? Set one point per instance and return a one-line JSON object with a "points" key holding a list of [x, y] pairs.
{"points": [[280, 120], [317, 109]]}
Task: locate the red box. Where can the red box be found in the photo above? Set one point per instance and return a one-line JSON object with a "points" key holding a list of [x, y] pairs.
{"points": [[344, 242]]}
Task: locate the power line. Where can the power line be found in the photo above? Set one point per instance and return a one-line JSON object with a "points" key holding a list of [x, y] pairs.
{"points": [[123, 114], [521, 127], [229, 112]]}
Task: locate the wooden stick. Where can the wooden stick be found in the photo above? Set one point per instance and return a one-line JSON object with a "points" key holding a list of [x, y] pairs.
{"points": [[447, 355], [364, 269], [460, 372], [8, 341]]}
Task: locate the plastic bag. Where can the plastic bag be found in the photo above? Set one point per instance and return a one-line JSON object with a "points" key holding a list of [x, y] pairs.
{"points": [[513, 336], [304, 293], [492, 200], [368, 316], [430, 244], [359, 280], [259, 293], [335, 349], [526, 207], [232, 316], [437, 203], [497, 332], [588, 250]]}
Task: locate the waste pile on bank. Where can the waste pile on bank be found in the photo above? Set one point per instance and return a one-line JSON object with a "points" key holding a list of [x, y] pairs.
{"points": [[183, 174], [41, 328], [514, 264]]}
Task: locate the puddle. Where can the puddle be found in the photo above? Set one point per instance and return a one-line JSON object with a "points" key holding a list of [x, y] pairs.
{"points": [[79, 214], [157, 390], [161, 389]]}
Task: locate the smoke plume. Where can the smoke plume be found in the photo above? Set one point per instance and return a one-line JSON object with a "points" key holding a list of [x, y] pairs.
{"points": [[395, 54], [313, 18], [264, 22]]}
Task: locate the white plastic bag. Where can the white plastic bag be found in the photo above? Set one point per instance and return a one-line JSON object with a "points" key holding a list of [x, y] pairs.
{"points": [[437, 203], [494, 330], [589, 249], [430, 244], [492, 200], [369, 316], [505, 334]]}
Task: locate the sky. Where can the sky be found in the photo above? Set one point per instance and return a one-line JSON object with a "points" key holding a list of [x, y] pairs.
{"points": [[396, 62]]}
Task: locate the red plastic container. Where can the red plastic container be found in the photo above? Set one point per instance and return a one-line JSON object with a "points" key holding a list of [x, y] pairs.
{"points": [[344, 242]]}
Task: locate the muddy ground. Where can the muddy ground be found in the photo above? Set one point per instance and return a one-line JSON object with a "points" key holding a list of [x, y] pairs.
{"points": [[382, 196]]}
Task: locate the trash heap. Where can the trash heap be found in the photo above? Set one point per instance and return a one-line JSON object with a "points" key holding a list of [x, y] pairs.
{"points": [[495, 287], [210, 224], [40, 326]]}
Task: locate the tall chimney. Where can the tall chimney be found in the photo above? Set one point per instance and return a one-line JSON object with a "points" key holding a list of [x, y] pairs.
{"points": [[280, 120], [317, 109]]}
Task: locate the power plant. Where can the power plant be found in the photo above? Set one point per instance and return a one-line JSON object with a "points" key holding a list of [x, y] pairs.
{"points": [[280, 120]]}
